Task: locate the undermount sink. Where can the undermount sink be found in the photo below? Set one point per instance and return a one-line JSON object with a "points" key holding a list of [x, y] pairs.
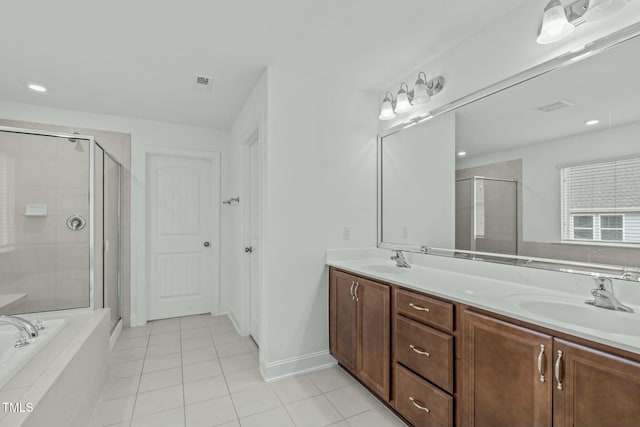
{"points": [[576, 312], [385, 269]]}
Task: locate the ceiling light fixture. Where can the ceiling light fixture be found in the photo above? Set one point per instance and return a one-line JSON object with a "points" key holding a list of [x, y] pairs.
{"points": [[406, 99], [37, 88], [592, 122], [602, 9], [462, 153]]}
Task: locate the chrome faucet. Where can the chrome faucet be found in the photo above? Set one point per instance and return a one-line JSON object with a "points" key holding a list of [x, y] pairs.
{"points": [[22, 337], [603, 296], [399, 259], [21, 323]]}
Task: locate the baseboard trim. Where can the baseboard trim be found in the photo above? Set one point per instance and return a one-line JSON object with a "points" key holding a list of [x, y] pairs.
{"points": [[115, 334], [297, 365], [234, 322]]}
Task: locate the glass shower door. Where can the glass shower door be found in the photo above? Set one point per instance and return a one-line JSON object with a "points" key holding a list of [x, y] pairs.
{"points": [[111, 210]]}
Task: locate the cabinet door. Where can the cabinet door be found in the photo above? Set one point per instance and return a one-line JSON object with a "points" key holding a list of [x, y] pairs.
{"points": [[374, 306], [343, 320], [502, 385], [595, 389]]}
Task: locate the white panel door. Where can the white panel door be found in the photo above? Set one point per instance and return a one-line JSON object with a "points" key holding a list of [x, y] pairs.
{"points": [[254, 233], [182, 260]]}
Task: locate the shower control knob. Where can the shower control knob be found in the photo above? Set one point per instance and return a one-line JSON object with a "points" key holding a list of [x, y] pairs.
{"points": [[207, 244], [248, 250]]}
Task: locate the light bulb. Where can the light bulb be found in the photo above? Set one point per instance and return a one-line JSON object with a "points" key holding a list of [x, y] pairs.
{"points": [[403, 103], [386, 111], [421, 91], [555, 25]]}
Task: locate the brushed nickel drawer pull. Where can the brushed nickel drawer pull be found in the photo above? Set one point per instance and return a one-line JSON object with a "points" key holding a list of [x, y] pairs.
{"points": [[353, 283], [419, 351], [419, 404], [419, 308], [557, 370], [541, 364]]}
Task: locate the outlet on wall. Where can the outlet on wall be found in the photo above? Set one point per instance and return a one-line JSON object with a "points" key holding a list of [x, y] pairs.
{"points": [[346, 232]]}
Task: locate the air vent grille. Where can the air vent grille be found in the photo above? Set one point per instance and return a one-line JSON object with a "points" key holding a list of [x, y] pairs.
{"points": [[555, 105]]}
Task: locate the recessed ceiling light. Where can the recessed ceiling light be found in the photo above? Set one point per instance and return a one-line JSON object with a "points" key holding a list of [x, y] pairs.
{"points": [[592, 122], [462, 153], [37, 88]]}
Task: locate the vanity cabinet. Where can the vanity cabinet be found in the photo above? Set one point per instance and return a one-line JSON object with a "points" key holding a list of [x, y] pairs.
{"points": [[506, 377], [359, 328], [594, 389]]}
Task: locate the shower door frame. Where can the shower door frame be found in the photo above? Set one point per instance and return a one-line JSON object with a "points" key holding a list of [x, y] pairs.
{"points": [[473, 231], [92, 148]]}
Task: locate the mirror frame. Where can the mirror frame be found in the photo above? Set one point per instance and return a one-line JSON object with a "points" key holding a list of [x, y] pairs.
{"points": [[561, 61]]}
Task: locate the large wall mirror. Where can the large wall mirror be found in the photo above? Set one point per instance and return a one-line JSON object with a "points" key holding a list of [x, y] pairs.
{"points": [[548, 168]]}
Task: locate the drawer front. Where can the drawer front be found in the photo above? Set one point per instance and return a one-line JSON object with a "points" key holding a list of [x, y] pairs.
{"points": [[424, 309], [425, 351], [422, 404]]}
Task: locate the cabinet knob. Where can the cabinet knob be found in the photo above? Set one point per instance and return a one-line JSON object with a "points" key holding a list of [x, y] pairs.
{"points": [[248, 250], [206, 244]]}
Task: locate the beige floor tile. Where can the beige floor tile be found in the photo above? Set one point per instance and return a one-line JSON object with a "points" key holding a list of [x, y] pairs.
{"points": [[238, 363], [189, 334], [296, 388], [138, 331], [164, 338], [199, 355], [352, 400], [129, 343], [253, 347], [278, 417], [232, 349], [330, 379], [113, 411], [166, 328], [222, 329], [243, 379], [164, 348], [186, 324], [159, 363], [227, 338], [235, 423], [160, 400], [171, 418], [339, 424], [126, 369], [217, 320], [375, 418], [207, 389], [128, 355], [210, 413], [196, 343], [257, 399], [160, 379], [314, 412], [202, 370], [120, 387]]}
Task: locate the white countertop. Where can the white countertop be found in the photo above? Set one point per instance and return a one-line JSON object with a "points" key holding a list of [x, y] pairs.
{"points": [[562, 310]]}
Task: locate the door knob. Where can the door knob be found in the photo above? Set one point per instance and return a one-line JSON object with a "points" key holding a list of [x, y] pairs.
{"points": [[207, 244], [248, 250]]}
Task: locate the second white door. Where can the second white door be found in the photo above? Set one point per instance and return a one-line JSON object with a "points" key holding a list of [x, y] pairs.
{"points": [[182, 260]]}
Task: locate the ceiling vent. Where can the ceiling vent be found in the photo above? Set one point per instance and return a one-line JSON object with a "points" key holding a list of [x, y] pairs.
{"points": [[555, 105], [203, 84]]}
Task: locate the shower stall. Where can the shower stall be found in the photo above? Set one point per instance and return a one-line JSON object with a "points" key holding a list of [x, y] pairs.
{"points": [[60, 222], [487, 215]]}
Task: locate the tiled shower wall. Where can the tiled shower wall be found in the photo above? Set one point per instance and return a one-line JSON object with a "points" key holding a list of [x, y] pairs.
{"points": [[39, 255]]}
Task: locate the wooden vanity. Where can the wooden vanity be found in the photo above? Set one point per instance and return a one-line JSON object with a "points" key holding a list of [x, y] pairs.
{"points": [[441, 363]]}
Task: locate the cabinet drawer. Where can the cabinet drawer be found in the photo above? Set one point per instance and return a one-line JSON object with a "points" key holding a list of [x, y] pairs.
{"points": [[424, 309], [422, 404], [425, 351]]}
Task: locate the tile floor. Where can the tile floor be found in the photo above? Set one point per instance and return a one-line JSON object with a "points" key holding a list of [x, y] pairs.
{"points": [[197, 371]]}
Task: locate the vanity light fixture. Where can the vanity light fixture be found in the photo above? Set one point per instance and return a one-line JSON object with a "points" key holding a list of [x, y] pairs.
{"points": [[555, 25], [387, 111], [592, 122], [37, 88], [601, 9], [406, 99], [403, 102]]}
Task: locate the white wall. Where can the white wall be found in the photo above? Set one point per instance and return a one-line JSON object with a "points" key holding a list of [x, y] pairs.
{"points": [[501, 50], [418, 179], [541, 165], [144, 134]]}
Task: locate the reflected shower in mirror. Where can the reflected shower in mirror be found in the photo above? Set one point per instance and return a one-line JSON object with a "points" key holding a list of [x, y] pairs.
{"points": [[546, 168]]}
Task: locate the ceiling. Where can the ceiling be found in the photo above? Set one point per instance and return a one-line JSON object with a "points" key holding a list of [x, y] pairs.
{"points": [[603, 87], [139, 58]]}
